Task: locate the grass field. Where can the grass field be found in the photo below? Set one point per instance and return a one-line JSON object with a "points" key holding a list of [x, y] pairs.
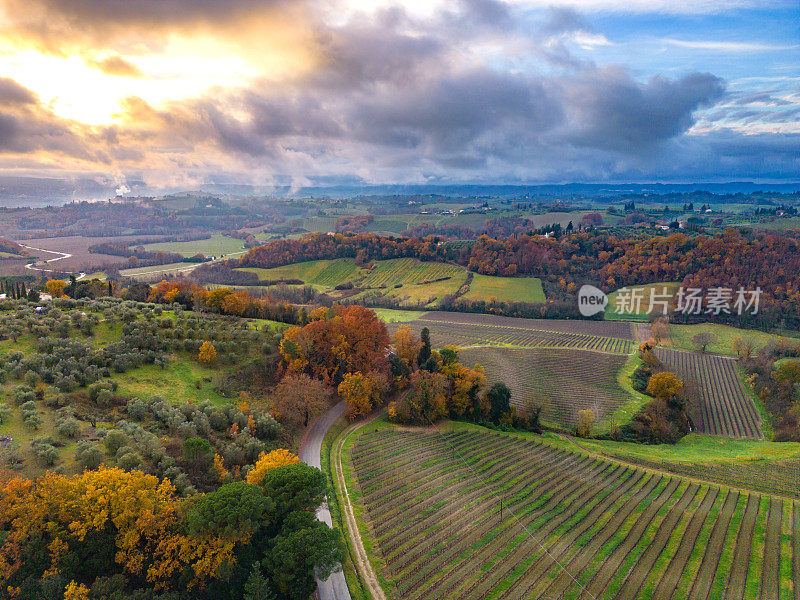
{"points": [[322, 273], [216, 245], [680, 337], [624, 307], [511, 289], [158, 271], [472, 515], [178, 382], [390, 315]]}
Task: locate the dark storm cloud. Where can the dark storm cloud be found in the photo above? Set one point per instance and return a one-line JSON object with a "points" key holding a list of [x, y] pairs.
{"points": [[13, 93], [610, 110]]}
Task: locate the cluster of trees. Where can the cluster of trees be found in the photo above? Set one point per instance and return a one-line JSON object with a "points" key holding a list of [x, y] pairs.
{"points": [[774, 374], [439, 386], [663, 420], [137, 255], [347, 223], [125, 535]]}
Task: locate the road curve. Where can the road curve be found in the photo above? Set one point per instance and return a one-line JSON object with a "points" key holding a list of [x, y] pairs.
{"points": [[335, 587]]}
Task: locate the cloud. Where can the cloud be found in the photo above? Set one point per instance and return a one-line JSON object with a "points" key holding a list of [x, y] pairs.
{"points": [[115, 65], [13, 93], [725, 46]]}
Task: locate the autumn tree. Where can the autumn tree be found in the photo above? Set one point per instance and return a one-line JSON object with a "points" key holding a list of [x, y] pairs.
{"points": [[351, 339], [298, 399], [406, 346], [585, 425], [703, 339], [268, 461], [361, 392], [208, 353], [55, 287], [425, 349], [426, 401], [665, 386], [743, 347], [659, 330]]}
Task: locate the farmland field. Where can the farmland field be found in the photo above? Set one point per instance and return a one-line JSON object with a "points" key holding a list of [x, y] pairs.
{"points": [[473, 515], [216, 245], [78, 247], [562, 381], [325, 273], [680, 337], [723, 405], [624, 307], [471, 329], [510, 289]]}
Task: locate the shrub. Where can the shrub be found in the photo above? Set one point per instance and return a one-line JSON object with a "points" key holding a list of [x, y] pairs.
{"points": [[69, 428], [89, 455], [114, 440]]}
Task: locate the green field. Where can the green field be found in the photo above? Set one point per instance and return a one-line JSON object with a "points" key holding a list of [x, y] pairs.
{"points": [[151, 273], [510, 289], [216, 245], [321, 273], [390, 315], [680, 337], [619, 306]]}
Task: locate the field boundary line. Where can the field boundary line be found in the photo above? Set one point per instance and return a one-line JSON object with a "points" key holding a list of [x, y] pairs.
{"points": [[362, 562]]}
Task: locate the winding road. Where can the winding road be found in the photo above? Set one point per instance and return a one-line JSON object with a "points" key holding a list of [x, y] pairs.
{"points": [[335, 587], [61, 256]]}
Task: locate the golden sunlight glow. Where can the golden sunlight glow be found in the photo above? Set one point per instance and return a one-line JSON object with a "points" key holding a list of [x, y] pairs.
{"points": [[73, 87]]}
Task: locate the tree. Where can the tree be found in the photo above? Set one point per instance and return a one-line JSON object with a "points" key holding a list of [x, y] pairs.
{"points": [[197, 452], [89, 455], [788, 371], [298, 398], [703, 339], [208, 354], [297, 487], [406, 345], [585, 424], [230, 510], [665, 386], [425, 350], [268, 462], [426, 401], [76, 591], [499, 397], [55, 287], [743, 347], [659, 330], [303, 547], [361, 392]]}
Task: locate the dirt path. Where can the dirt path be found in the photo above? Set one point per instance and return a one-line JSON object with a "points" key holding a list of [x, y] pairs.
{"points": [[61, 256], [360, 557]]}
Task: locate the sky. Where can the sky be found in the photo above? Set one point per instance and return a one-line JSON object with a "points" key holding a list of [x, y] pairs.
{"points": [[299, 92]]}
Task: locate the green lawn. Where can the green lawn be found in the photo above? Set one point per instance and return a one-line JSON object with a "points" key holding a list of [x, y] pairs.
{"points": [[216, 245], [176, 383], [681, 337], [510, 289], [390, 315], [622, 309]]}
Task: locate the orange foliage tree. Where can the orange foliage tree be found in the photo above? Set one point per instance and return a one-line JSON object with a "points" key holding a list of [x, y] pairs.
{"points": [[351, 339], [207, 354]]}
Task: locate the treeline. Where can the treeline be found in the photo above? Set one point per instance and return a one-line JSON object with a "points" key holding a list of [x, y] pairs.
{"points": [[143, 257], [733, 259]]}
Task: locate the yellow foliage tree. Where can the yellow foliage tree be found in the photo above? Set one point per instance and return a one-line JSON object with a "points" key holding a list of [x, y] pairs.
{"points": [[466, 386], [143, 512], [76, 591], [406, 345], [267, 462], [208, 354], [218, 469], [360, 392], [55, 287], [664, 385]]}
